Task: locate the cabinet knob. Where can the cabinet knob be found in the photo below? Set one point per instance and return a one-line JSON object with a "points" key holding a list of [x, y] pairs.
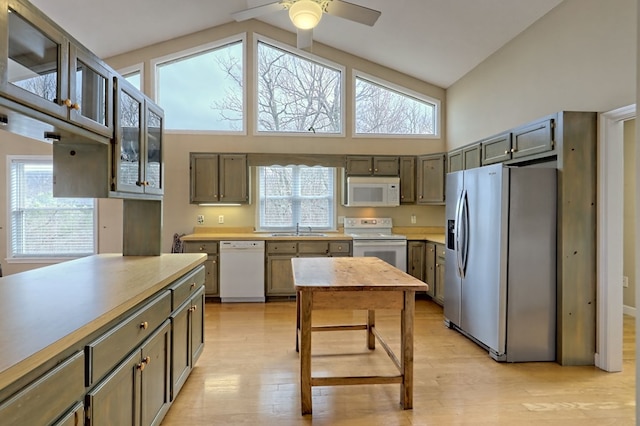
{"points": [[375, 170], [144, 325], [139, 183], [202, 248], [144, 363], [76, 106], [513, 150], [67, 103], [193, 285], [221, 195], [193, 308], [506, 152]]}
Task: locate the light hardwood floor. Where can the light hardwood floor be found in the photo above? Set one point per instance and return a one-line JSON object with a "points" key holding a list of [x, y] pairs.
{"points": [[248, 374]]}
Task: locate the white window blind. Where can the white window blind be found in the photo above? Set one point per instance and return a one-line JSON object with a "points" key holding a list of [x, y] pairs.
{"points": [[296, 195], [42, 226]]}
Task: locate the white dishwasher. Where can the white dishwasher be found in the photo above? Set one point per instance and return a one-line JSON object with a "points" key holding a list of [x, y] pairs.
{"points": [[242, 271]]}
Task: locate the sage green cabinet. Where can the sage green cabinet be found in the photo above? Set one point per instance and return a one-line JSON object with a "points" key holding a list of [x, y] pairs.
{"points": [[279, 273], [471, 156], [430, 179], [439, 274], [137, 392], [74, 417], [44, 68], [212, 288], [454, 161], [358, 165], [407, 180], [430, 268], [219, 178], [416, 259], [496, 149]]}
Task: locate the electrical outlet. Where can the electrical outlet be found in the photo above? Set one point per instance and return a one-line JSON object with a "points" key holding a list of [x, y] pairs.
{"points": [[200, 219], [625, 282], [413, 219], [221, 219]]}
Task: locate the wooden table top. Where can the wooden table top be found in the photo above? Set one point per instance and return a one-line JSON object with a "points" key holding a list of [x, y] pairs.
{"points": [[351, 273]]}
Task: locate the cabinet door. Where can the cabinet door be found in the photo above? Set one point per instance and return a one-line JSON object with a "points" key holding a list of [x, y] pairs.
{"points": [[90, 92], [128, 154], [197, 326], [211, 279], [533, 139], [75, 417], [180, 350], [407, 180], [115, 401], [156, 378], [359, 166], [234, 177], [471, 156], [37, 68], [496, 149], [430, 268], [385, 166], [204, 178], [454, 161], [440, 280], [280, 276], [154, 164], [415, 258], [430, 180]]}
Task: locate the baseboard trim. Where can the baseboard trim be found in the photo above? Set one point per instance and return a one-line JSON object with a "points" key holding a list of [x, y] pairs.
{"points": [[629, 310]]}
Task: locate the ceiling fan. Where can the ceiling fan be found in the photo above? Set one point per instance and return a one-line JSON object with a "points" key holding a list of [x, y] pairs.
{"points": [[305, 14]]}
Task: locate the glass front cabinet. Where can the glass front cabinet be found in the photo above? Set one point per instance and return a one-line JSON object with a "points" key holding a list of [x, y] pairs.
{"points": [[138, 156], [44, 69]]}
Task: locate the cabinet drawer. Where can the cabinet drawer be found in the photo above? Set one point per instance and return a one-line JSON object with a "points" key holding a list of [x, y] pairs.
{"points": [[210, 247], [282, 247], [340, 247], [48, 397], [182, 289], [104, 353], [440, 251], [314, 247]]}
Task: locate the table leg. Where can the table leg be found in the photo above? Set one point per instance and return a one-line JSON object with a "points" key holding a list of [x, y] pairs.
{"points": [[306, 298], [371, 322], [297, 319], [406, 330]]}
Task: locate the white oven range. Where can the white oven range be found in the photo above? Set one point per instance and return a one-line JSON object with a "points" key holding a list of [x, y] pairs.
{"points": [[373, 237]]}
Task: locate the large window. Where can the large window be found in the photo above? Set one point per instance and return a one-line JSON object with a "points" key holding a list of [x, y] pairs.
{"points": [[42, 226], [382, 108], [295, 196], [202, 89], [296, 94]]}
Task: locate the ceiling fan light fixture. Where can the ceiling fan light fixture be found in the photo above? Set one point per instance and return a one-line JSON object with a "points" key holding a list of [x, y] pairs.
{"points": [[305, 14]]}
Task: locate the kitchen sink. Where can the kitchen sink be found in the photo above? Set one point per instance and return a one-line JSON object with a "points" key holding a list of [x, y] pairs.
{"points": [[299, 234]]}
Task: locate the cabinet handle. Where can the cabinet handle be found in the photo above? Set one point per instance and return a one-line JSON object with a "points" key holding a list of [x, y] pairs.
{"points": [[144, 325], [67, 103]]}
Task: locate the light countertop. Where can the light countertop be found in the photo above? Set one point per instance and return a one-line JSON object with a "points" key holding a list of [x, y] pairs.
{"points": [[45, 311]]}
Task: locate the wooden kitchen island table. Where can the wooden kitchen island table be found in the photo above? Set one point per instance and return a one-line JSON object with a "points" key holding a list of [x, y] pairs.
{"points": [[354, 283]]}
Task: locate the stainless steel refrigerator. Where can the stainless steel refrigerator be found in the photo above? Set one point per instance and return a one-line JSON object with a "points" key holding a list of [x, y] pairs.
{"points": [[500, 271]]}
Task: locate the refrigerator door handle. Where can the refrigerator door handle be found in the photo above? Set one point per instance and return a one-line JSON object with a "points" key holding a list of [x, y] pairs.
{"points": [[464, 252], [456, 246]]}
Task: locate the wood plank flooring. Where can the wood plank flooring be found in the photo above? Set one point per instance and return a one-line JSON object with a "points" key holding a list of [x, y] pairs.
{"points": [[248, 374]]}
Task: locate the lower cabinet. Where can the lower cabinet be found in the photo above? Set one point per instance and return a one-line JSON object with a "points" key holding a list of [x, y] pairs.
{"points": [[430, 269], [212, 288], [439, 274], [137, 391], [416, 259], [279, 254]]}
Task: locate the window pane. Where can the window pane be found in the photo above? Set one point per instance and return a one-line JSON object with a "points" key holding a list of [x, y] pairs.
{"points": [[203, 91], [134, 79], [381, 110], [296, 195], [43, 226], [296, 94]]}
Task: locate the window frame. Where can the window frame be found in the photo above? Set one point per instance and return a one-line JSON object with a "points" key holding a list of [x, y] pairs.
{"points": [[258, 38], [401, 90], [193, 51], [334, 204], [10, 256], [136, 68]]}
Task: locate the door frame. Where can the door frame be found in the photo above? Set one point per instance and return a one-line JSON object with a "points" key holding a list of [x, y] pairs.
{"points": [[608, 355]]}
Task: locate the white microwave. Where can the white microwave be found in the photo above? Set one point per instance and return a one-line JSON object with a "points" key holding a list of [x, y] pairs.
{"points": [[373, 191]]}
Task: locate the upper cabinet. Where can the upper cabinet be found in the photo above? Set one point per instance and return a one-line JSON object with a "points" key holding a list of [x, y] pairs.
{"points": [[465, 158], [430, 179], [407, 180], [496, 149], [528, 141], [44, 69], [358, 165], [138, 165], [219, 178]]}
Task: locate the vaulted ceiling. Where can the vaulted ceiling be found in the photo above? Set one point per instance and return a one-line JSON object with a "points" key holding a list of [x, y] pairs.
{"points": [[437, 41]]}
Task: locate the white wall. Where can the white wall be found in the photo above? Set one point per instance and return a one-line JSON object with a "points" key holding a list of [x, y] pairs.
{"points": [[580, 57]]}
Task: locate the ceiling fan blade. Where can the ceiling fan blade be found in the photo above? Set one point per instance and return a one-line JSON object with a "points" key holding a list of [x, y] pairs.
{"points": [[305, 38], [257, 11], [353, 12]]}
